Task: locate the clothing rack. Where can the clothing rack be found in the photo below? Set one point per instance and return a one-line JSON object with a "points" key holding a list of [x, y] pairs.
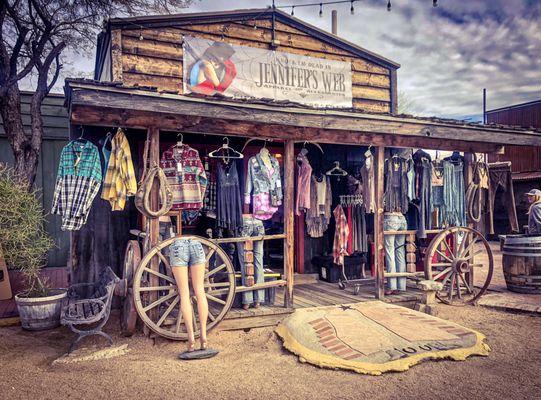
{"points": [[351, 200]]}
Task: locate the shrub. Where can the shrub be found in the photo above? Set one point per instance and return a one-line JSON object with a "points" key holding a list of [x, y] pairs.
{"points": [[23, 238]]}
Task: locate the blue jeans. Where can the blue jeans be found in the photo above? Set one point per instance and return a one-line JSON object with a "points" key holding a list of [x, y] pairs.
{"points": [[252, 227], [395, 249]]}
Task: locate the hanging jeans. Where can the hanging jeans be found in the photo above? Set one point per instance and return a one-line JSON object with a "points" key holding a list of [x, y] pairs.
{"points": [[395, 249], [454, 207], [424, 197], [252, 227]]}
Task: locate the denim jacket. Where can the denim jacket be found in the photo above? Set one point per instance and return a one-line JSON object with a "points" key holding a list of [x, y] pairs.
{"points": [[260, 181]]}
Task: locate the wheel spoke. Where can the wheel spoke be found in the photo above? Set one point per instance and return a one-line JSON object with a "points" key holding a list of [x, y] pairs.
{"points": [[179, 320], [446, 270], [447, 278], [209, 255], [167, 278], [451, 287], [168, 311], [217, 284], [443, 255], [215, 299], [442, 264], [468, 288], [211, 317], [458, 293], [160, 301], [153, 288], [448, 248], [212, 272], [164, 260], [471, 246]]}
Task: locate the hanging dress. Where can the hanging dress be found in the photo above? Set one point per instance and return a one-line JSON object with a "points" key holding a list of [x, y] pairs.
{"points": [[228, 201]]}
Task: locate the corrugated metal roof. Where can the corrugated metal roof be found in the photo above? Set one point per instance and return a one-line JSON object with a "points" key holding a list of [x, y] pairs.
{"points": [[526, 176]]}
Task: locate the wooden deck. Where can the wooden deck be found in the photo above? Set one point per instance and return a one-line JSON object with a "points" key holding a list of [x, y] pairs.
{"points": [[305, 295]]}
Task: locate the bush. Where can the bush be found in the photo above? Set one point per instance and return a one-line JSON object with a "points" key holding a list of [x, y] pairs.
{"points": [[23, 238]]}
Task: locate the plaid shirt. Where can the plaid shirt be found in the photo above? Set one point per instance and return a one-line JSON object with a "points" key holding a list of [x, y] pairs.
{"points": [[77, 183], [119, 180]]}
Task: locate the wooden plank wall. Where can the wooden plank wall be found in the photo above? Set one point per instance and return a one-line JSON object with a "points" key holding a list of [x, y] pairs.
{"points": [[153, 57]]}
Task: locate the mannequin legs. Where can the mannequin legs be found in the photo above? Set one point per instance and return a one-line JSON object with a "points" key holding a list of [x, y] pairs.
{"points": [[197, 275]]}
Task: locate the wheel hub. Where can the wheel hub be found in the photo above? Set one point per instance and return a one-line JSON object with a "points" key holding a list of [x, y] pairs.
{"points": [[461, 265]]}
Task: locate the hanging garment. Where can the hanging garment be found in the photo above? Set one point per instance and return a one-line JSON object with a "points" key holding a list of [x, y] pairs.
{"points": [[304, 173], [369, 178], [264, 185], [318, 215], [77, 183], [105, 152], [229, 202], [422, 164], [209, 203], [500, 177], [186, 176], [119, 180], [395, 198], [395, 251], [453, 211], [349, 212], [360, 239], [252, 226], [341, 234], [354, 186]]}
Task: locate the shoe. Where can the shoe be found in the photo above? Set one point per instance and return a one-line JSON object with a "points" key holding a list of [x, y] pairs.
{"points": [[388, 292], [203, 345], [245, 306], [396, 291], [256, 305]]}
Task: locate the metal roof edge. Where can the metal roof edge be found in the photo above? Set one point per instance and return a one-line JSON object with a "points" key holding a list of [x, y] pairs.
{"points": [[514, 106]]}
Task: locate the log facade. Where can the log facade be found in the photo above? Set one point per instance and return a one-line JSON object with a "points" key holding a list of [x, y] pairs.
{"points": [[144, 55]]}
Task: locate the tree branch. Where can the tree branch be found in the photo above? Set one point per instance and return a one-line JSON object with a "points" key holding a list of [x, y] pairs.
{"points": [[56, 74]]}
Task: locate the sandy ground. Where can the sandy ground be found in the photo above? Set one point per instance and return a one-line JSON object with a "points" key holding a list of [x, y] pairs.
{"points": [[253, 365]]}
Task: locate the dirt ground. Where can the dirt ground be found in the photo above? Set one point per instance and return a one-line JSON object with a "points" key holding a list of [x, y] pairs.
{"points": [[254, 365]]}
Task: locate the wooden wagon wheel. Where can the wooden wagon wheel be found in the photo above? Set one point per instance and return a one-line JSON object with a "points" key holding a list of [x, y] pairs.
{"points": [[453, 257], [132, 258], [157, 299]]}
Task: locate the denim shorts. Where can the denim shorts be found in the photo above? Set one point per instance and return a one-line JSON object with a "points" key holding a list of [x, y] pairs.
{"points": [[186, 253]]}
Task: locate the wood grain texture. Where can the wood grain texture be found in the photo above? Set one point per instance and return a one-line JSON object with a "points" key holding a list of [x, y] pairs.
{"points": [[289, 244], [116, 55]]}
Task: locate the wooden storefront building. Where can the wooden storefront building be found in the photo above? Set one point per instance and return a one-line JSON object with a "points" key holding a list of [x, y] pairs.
{"points": [[138, 85]]}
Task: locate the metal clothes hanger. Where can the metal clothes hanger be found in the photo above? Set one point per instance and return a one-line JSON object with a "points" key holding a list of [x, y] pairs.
{"points": [[313, 143], [180, 142], [336, 170], [231, 152], [253, 139]]}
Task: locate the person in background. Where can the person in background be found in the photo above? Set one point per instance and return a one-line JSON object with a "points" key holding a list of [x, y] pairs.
{"points": [[534, 213]]}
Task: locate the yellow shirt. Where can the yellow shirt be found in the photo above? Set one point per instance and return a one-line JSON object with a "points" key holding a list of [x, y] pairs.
{"points": [[120, 177]]}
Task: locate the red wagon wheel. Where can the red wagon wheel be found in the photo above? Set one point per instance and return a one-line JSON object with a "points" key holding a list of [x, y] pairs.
{"points": [[453, 257], [132, 258], [157, 298]]}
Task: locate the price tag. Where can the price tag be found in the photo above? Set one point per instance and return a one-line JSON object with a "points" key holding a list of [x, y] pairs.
{"points": [[179, 167]]}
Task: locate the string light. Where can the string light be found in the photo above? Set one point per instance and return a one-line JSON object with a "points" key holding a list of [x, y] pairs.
{"points": [[293, 10], [320, 10], [434, 3], [333, 2], [352, 10], [389, 5]]}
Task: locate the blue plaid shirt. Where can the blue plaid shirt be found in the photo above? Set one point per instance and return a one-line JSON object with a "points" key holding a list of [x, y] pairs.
{"points": [[77, 183]]}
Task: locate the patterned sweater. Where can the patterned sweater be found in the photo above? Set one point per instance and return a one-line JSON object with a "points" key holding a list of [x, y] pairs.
{"points": [[186, 176]]}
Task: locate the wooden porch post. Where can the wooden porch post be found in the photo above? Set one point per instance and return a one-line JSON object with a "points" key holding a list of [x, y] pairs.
{"points": [[289, 245], [378, 222], [154, 223]]}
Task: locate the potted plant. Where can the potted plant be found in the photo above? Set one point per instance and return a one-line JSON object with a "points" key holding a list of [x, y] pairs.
{"points": [[25, 245]]}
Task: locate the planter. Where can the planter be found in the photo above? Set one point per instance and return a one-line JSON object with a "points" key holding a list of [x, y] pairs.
{"points": [[39, 313]]}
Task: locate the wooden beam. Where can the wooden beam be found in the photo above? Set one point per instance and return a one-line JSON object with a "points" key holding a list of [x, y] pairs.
{"points": [[289, 245], [116, 55], [139, 119], [327, 120], [394, 92], [378, 222], [154, 223]]}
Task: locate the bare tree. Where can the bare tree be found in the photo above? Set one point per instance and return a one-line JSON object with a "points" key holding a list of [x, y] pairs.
{"points": [[33, 36]]}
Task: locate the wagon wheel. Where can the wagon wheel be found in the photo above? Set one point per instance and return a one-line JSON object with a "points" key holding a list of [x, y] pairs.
{"points": [[132, 258], [157, 299], [453, 257]]}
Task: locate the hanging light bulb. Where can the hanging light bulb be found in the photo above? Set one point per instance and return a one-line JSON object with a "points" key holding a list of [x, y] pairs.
{"points": [[389, 5], [320, 10], [352, 10], [293, 10], [434, 3]]}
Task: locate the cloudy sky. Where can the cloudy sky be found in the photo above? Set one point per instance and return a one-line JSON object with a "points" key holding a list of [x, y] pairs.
{"points": [[448, 53]]}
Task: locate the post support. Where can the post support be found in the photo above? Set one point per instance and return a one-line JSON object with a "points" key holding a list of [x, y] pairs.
{"points": [[289, 243], [154, 223], [378, 222]]}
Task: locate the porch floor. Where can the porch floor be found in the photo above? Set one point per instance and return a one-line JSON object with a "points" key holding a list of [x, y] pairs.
{"points": [[313, 294]]}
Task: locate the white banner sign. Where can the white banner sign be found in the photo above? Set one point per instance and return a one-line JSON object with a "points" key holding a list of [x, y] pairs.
{"points": [[245, 72]]}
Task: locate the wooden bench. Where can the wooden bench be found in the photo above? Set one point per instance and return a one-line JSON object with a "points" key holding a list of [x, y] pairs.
{"points": [[89, 304]]}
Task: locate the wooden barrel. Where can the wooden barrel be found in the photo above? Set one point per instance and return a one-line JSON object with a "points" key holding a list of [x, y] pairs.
{"points": [[38, 313], [522, 263]]}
